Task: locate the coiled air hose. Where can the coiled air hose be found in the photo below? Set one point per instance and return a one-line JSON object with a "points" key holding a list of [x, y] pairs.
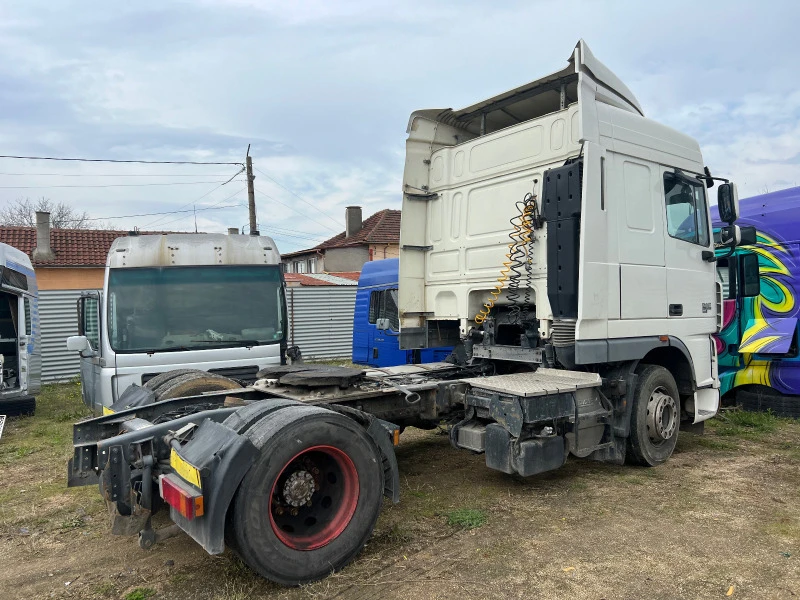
{"points": [[520, 250]]}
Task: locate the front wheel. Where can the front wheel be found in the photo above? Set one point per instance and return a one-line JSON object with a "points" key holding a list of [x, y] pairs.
{"points": [[655, 416], [310, 501]]}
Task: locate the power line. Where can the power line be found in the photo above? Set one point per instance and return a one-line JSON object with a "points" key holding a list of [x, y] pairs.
{"points": [[111, 160], [279, 184], [112, 174], [193, 202], [291, 231], [297, 211], [200, 198], [294, 235], [109, 185], [172, 212]]}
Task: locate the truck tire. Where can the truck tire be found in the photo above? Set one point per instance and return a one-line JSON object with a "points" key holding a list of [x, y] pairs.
{"points": [[193, 384], [18, 407], [655, 416], [246, 417], [767, 399], [309, 503], [159, 380]]}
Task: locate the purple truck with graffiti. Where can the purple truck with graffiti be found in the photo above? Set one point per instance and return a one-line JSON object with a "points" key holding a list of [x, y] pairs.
{"points": [[758, 350]]}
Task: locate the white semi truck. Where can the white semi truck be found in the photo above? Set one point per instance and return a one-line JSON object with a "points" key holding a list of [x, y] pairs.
{"points": [[181, 301], [558, 238]]}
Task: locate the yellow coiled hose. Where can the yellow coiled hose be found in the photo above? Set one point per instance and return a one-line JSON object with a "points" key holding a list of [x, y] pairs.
{"points": [[520, 238]]}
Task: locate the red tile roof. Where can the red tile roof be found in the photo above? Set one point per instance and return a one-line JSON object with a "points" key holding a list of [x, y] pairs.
{"points": [[381, 228], [72, 247]]}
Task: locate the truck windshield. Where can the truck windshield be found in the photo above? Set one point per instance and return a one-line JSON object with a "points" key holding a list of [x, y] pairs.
{"points": [[157, 309]]}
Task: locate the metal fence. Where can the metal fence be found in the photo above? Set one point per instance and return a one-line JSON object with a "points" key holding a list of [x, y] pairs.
{"points": [[58, 317], [320, 322]]}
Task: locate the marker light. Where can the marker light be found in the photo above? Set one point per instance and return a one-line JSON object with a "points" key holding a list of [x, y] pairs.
{"points": [[180, 496]]}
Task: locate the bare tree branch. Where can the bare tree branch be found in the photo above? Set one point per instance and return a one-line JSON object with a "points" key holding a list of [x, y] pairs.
{"points": [[22, 213]]}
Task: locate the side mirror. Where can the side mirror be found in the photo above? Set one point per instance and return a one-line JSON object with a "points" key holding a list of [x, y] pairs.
{"points": [[383, 324], [749, 277], [78, 343], [728, 202], [731, 235], [749, 235]]}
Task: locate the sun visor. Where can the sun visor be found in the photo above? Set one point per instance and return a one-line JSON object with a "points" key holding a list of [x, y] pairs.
{"points": [[768, 337]]}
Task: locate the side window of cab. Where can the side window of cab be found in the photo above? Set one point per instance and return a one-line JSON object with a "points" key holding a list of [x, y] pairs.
{"points": [[687, 210]]}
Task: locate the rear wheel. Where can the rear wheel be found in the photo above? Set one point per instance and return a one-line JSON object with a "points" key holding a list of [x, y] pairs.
{"points": [[310, 502], [762, 399], [655, 416]]}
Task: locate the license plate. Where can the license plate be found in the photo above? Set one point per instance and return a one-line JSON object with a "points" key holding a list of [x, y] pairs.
{"points": [[187, 471]]}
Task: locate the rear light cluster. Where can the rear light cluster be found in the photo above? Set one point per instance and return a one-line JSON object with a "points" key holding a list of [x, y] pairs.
{"points": [[181, 496]]}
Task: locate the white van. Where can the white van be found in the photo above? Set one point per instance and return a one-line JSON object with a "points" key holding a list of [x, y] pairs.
{"points": [[181, 301], [20, 353]]}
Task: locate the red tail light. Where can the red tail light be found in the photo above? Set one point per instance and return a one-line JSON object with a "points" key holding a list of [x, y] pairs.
{"points": [[181, 496]]}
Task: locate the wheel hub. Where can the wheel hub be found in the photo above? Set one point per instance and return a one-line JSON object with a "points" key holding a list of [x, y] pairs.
{"points": [[299, 488], [662, 416]]}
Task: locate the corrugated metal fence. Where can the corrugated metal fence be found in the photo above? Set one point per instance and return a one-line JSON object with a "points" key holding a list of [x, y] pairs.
{"points": [[58, 316], [320, 322]]}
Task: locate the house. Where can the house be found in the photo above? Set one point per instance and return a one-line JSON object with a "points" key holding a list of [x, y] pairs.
{"points": [[375, 238], [64, 259], [67, 262]]}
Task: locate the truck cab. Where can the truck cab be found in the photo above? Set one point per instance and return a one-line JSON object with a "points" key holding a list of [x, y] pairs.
{"points": [[555, 225], [181, 301], [376, 322], [20, 353], [759, 353]]}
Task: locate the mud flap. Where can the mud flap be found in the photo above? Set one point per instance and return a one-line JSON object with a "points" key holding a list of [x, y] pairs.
{"points": [[223, 457]]}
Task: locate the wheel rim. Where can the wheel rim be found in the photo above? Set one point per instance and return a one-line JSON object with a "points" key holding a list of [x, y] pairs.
{"points": [[314, 498], [662, 416]]}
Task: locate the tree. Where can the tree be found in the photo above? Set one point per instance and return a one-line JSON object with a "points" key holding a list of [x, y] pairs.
{"points": [[22, 213]]}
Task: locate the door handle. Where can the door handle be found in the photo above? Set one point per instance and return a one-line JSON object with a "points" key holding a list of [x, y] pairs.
{"points": [[675, 310]]}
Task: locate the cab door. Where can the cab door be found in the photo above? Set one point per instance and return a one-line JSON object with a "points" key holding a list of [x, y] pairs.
{"points": [[691, 280], [91, 360]]}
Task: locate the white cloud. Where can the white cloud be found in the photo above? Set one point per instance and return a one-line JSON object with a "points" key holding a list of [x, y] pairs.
{"points": [[323, 91]]}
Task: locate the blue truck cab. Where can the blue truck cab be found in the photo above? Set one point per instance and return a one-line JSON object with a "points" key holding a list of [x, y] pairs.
{"points": [[376, 304]]}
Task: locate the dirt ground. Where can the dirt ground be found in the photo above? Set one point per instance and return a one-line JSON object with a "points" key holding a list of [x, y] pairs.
{"points": [[719, 520]]}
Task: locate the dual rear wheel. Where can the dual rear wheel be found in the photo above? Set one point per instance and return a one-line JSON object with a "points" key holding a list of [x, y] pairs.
{"points": [[310, 502]]}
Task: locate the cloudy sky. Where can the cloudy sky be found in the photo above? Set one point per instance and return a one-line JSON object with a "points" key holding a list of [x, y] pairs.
{"points": [[323, 90]]}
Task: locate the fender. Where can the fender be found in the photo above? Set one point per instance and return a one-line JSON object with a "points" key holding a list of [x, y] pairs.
{"points": [[223, 457]]}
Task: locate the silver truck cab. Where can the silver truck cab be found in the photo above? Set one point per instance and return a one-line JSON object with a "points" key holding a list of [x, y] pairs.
{"points": [[181, 301]]}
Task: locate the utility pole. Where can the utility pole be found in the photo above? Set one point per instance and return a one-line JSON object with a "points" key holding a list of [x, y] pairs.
{"points": [[251, 193]]}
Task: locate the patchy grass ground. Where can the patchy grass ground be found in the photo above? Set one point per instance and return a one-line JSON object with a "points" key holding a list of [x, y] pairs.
{"points": [[721, 516]]}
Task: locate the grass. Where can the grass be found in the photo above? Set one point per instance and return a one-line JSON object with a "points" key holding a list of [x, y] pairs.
{"points": [[447, 498], [466, 518], [33, 455], [140, 594], [744, 424]]}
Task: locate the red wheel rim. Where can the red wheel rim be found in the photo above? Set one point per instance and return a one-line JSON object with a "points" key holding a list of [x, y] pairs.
{"points": [[313, 498]]}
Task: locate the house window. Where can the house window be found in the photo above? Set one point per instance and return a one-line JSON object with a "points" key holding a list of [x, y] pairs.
{"points": [[299, 266], [687, 213], [312, 265]]}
